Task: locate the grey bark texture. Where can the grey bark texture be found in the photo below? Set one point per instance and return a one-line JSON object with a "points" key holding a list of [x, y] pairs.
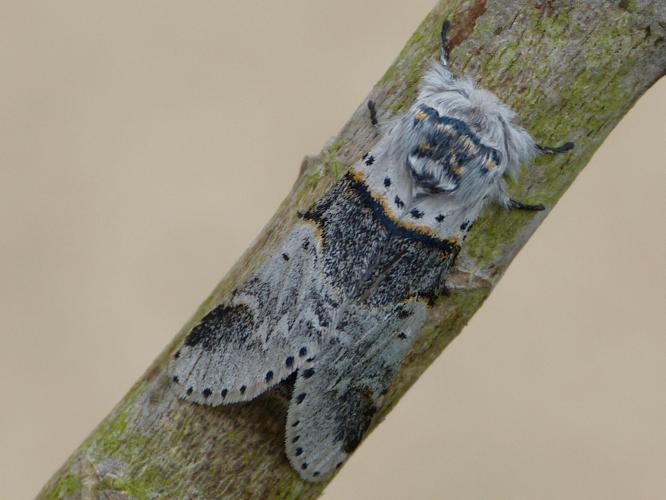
{"points": [[570, 70]]}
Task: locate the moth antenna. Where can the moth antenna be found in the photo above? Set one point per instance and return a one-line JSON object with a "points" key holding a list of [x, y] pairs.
{"points": [[552, 150], [519, 205], [445, 42], [373, 113]]}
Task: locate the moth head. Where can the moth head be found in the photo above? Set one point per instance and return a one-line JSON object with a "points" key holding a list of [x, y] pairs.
{"points": [[490, 119]]}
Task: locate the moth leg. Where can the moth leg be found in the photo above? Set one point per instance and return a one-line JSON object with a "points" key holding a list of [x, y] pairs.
{"points": [[549, 150], [524, 206], [552, 150], [373, 113], [445, 42]]}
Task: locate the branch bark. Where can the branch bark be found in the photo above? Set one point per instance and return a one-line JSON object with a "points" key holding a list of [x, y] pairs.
{"points": [[569, 69]]}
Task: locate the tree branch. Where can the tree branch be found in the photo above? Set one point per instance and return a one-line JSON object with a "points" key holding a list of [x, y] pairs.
{"points": [[569, 69]]}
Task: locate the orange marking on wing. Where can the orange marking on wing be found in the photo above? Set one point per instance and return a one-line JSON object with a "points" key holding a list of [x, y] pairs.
{"points": [[388, 210], [421, 115], [357, 175], [469, 144], [444, 127]]}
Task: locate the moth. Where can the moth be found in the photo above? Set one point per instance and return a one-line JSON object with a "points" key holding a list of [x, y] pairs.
{"points": [[341, 300]]}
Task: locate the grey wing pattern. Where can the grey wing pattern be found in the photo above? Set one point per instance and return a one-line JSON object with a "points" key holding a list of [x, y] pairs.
{"points": [[336, 398], [272, 326]]}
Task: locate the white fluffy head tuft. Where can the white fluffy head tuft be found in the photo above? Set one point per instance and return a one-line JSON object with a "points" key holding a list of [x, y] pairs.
{"points": [[485, 114]]}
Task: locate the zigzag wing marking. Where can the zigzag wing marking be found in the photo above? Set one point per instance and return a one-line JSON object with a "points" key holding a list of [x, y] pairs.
{"points": [[273, 325]]}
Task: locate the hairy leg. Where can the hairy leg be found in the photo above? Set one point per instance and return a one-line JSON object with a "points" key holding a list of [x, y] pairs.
{"points": [[548, 150], [519, 205], [373, 112]]}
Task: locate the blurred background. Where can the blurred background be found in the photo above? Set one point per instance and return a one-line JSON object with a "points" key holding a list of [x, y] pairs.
{"points": [[131, 133]]}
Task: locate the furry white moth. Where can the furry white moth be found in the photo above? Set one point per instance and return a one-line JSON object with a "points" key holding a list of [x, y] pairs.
{"points": [[342, 299]]}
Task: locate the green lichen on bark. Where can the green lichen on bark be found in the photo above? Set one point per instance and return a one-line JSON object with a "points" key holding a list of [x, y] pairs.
{"points": [[68, 486], [569, 69]]}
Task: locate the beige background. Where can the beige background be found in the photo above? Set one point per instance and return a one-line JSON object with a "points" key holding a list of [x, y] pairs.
{"points": [[144, 144]]}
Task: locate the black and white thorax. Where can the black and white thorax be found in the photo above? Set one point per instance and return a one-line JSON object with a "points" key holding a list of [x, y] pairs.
{"points": [[342, 298]]}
